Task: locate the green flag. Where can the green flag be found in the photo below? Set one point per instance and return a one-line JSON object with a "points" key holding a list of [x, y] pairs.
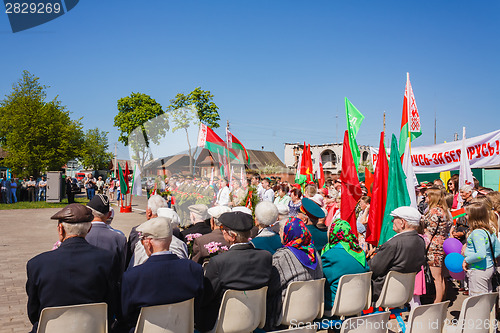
{"points": [[354, 120], [123, 184], [397, 193]]}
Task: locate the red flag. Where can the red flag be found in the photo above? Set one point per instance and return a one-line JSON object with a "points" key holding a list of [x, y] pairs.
{"points": [[351, 190], [126, 177], [306, 167], [321, 175], [379, 196], [368, 181]]}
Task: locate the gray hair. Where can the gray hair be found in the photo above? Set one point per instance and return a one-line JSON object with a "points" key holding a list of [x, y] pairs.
{"points": [[266, 213], [241, 236], [466, 188], [217, 222], [101, 216], [283, 222], [77, 229], [156, 201]]}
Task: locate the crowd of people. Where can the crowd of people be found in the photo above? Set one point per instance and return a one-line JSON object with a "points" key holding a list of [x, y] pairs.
{"points": [[30, 189], [200, 240]]}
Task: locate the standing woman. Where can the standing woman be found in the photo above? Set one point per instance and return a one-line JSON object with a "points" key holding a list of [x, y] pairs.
{"points": [[437, 222], [453, 188], [296, 202], [495, 205], [478, 257]]}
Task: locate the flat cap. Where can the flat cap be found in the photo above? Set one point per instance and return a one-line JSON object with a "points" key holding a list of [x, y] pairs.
{"points": [[200, 210], [158, 227], [217, 211], [74, 213], [283, 209], [237, 221], [410, 214], [169, 213], [312, 209], [100, 203]]}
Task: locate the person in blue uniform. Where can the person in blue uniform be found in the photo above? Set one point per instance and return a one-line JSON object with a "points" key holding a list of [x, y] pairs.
{"points": [[310, 212]]}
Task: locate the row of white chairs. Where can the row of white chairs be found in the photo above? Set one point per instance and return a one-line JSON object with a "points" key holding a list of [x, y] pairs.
{"points": [[245, 311]]}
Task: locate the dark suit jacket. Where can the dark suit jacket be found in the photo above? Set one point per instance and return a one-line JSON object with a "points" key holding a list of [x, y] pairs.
{"points": [[102, 236], [200, 253], [75, 273], [404, 253], [162, 279], [197, 228], [243, 267]]}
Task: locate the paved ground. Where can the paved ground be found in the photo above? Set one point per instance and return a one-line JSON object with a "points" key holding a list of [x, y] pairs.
{"points": [[28, 232]]}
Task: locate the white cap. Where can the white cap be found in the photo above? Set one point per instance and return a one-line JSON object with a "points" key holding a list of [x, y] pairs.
{"points": [[242, 209], [170, 214], [217, 211], [158, 227], [283, 209], [410, 214]]}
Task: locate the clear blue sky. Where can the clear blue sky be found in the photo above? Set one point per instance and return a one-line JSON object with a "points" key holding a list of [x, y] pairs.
{"points": [[279, 69]]}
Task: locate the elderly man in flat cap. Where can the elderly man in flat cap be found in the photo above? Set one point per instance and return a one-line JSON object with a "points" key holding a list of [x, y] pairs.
{"points": [[75, 273], [163, 278], [200, 252], [266, 215], [243, 267], [405, 252], [310, 212], [197, 215], [101, 235]]}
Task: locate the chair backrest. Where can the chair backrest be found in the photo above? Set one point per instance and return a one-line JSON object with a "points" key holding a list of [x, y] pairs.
{"points": [[242, 311], [304, 301], [83, 318], [374, 323], [427, 318], [397, 290], [297, 330], [476, 313], [353, 294], [167, 318]]}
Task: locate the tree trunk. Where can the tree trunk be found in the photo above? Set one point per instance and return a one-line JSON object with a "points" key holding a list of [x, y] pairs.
{"points": [[190, 156]]}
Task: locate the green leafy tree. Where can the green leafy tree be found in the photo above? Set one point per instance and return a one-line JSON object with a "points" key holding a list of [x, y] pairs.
{"points": [[141, 121], [191, 109], [94, 153], [38, 135]]}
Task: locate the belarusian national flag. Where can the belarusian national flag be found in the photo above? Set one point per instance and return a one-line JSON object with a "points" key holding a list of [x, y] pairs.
{"points": [[379, 196], [126, 174], [410, 121], [306, 167], [208, 139], [123, 183], [237, 148], [458, 213], [397, 193], [351, 190], [354, 120]]}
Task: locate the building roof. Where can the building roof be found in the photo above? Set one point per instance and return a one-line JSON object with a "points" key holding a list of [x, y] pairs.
{"points": [[260, 159]]}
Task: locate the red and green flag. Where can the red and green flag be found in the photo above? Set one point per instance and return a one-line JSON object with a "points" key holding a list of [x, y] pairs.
{"points": [[123, 182], [410, 121], [236, 147], [351, 190], [354, 120], [209, 140], [397, 192], [458, 213], [306, 166]]}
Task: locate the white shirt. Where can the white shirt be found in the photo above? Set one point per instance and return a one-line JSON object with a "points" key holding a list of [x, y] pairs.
{"points": [[223, 197], [268, 195]]}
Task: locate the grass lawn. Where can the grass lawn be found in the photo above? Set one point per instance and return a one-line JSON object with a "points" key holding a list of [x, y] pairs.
{"points": [[42, 204]]}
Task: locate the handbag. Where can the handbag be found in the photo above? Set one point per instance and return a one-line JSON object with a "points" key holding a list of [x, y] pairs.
{"points": [[495, 279], [430, 287]]}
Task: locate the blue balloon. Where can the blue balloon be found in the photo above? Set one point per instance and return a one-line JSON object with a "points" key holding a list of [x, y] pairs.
{"points": [[453, 262]]}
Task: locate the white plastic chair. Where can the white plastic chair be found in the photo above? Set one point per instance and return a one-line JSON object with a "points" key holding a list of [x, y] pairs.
{"points": [[397, 290], [427, 318], [168, 318], [82, 318], [241, 311], [476, 315], [353, 295], [374, 323], [297, 330], [304, 301]]}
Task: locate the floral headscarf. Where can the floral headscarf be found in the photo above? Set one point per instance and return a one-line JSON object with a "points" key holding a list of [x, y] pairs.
{"points": [[298, 239], [340, 232]]}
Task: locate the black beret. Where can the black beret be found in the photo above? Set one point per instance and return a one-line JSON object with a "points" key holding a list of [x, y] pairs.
{"points": [[237, 221], [100, 203], [74, 213]]}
